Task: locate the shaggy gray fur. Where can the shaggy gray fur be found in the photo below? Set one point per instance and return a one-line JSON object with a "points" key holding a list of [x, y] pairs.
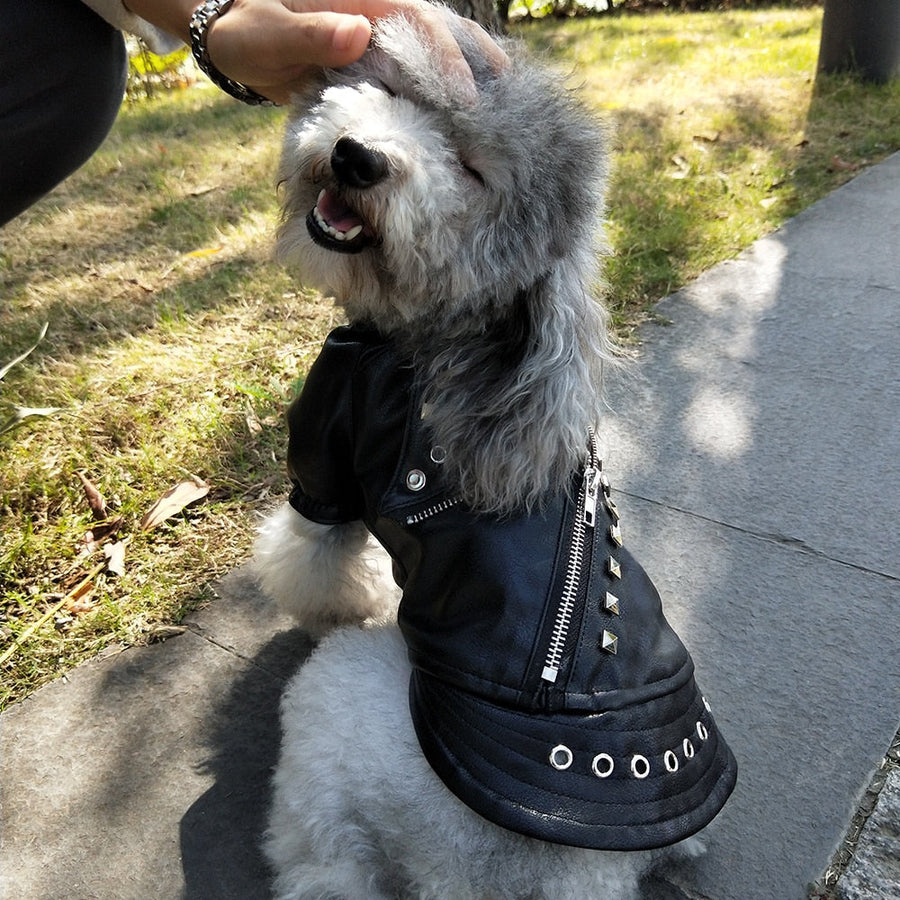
{"points": [[486, 278]]}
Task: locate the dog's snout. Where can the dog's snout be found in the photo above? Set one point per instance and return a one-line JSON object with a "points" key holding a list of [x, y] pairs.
{"points": [[357, 165]]}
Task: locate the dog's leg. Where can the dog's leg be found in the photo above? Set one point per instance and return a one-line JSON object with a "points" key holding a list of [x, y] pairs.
{"points": [[323, 575]]}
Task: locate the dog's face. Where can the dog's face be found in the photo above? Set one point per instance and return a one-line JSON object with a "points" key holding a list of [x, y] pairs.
{"points": [[408, 204]]}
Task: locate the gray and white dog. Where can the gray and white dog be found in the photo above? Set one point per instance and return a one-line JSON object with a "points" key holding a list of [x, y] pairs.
{"points": [[468, 232]]}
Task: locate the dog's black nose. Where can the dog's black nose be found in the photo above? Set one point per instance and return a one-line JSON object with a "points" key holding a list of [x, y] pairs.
{"points": [[357, 165]]}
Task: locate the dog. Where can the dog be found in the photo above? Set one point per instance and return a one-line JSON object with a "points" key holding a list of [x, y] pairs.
{"points": [[531, 728]]}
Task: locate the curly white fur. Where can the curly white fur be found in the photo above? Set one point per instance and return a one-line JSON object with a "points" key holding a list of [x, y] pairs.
{"points": [[359, 815], [324, 575]]}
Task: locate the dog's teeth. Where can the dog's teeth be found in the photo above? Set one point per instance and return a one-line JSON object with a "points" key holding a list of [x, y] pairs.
{"points": [[330, 230]]}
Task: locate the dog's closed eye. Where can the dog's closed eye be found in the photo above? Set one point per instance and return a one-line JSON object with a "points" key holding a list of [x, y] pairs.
{"points": [[386, 88], [473, 172]]}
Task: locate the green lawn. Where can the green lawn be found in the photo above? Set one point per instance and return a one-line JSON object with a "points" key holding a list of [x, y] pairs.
{"points": [[174, 343]]}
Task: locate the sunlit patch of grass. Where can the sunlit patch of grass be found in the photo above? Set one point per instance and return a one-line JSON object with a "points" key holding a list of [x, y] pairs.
{"points": [[720, 133]]}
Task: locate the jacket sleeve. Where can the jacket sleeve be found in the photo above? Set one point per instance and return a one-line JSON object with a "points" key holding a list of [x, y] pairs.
{"points": [[116, 13], [321, 439]]}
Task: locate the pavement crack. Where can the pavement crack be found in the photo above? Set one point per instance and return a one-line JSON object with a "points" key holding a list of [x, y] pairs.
{"points": [[773, 537]]}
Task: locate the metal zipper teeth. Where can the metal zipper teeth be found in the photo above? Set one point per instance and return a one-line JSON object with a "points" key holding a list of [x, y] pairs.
{"points": [[585, 517], [433, 510]]}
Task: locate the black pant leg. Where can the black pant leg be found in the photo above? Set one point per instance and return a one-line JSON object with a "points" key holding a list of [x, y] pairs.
{"points": [[62, 78]]}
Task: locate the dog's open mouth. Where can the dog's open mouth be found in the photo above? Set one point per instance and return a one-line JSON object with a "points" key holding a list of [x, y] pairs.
{"points": [[332, 224]]}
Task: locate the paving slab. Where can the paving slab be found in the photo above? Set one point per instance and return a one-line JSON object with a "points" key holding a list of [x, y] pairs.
{"points": [[756, 450], [753, 453], [144, 775]]}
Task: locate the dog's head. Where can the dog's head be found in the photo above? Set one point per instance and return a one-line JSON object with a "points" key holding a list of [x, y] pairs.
{"points": [[414, 207]]}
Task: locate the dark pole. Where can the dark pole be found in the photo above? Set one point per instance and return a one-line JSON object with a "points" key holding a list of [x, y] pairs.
{"points": [[861, 36]]}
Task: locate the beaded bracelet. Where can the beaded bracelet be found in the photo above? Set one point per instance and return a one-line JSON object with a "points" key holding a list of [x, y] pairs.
{"points": [[204, 15]]}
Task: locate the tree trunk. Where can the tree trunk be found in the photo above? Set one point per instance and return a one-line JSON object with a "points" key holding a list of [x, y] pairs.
{"points": [[482, 11], [861, 36]]}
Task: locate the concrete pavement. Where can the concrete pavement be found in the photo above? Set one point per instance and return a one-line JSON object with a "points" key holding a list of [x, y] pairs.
{"points": [[754, 454]]}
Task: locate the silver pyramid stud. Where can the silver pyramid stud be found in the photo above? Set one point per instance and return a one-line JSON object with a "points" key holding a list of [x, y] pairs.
{"points": [[609, 643], [615, 534], [611, 508], [613, 567], [611, 603], [604, 483]]}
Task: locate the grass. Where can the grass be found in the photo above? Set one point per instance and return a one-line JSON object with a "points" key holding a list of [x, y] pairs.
{"points": [[174, 343], [721, 133]]}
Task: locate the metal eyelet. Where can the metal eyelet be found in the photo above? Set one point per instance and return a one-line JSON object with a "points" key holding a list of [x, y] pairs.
{"points": [[438, 454], [561, 757], [671, 761], [640, 766], [688, 748], [702, 733], [603, 765]]}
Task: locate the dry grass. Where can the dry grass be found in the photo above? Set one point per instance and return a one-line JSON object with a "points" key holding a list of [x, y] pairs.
{"points": [[174, 343]]}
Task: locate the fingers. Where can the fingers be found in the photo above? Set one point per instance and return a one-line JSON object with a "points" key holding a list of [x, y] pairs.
{"points": [[433, 22], [431, 19], [493, 53]]}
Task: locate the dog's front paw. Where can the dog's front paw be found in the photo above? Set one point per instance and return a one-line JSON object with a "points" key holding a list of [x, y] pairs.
{"points": [[323, 575]]}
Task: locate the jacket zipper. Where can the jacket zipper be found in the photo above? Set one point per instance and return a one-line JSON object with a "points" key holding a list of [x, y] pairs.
{"points": [[585, 518], [433, 510]]}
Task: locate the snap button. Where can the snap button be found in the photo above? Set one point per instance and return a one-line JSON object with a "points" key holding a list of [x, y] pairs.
{"points": [[415, 479]]}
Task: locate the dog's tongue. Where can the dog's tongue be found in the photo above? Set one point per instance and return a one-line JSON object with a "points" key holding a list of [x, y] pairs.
{"points": [[336, 213]]}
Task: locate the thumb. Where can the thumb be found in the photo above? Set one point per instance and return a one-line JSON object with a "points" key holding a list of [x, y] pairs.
{"points": [[321, 39], [350, 35], [272, 51]]}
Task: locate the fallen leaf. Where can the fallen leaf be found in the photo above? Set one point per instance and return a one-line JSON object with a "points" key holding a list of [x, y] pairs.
{"points": [[174, 500], [94, 498], [80, 600], [709, 137], [115, 558], [842, 165], [206, 251], [101, 531]]}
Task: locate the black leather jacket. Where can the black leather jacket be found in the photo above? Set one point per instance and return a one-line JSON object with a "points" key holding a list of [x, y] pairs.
{"points": [[543, 612], [471, 583]]}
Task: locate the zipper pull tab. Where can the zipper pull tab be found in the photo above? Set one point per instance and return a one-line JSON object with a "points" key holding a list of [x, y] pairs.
{"points": [[591, 485]]}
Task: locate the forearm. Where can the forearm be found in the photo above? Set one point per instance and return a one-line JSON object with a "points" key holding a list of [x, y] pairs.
{"points": [[171, 16]]}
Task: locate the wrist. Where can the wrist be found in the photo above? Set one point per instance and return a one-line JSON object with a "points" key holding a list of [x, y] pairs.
{"points": [[202, 19], [172, 16]]}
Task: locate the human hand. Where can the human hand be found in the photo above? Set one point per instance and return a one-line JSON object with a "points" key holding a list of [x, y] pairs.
{"points": [[276, 46]]}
